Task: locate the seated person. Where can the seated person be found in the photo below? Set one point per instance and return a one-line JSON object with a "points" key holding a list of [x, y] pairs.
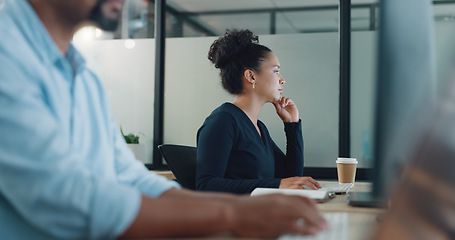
{"points": [[65, 169], [234, 150]]}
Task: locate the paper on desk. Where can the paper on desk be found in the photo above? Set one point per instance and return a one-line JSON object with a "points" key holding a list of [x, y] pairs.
{"points": [[316, 195]]}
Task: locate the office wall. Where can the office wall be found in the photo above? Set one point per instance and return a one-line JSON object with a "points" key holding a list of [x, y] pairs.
{"points": [[445, 54], [193, 89], [363, 74], [126, 69], [309, 64], [363, 80]]}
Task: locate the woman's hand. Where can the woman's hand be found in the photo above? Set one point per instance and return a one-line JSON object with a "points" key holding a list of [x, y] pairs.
{"points": [[299, 182], [287, 110]]}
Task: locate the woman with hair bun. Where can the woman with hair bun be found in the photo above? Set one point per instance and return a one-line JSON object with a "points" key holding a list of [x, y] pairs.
{"points": [[235, 152]]}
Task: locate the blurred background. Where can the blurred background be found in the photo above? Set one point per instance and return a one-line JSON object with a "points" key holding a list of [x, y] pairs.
{"points": [[304, 34]]}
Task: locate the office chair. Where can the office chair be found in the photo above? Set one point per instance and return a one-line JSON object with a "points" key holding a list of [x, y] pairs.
{"points": [[182, 162]]}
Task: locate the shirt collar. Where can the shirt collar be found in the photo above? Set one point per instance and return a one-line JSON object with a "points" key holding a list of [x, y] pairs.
{"points": [[33, 30], [75, 59], [37, 35]]}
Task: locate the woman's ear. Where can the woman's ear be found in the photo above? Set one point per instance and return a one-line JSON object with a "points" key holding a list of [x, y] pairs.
{"points": [[248, 74]]}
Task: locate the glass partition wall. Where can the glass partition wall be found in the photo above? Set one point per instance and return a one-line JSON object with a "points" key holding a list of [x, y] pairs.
{"points": [[364, 25], [304, 38], [444, 20], [303, 34], [126, 67], [363, 72]]}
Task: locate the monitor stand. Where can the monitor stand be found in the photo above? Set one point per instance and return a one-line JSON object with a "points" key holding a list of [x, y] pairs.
{"points": [[366, 199]]}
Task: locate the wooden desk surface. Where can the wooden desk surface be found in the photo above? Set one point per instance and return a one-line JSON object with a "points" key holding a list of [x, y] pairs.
{"points": [[362, 220], [167, 174], [339, 203]]}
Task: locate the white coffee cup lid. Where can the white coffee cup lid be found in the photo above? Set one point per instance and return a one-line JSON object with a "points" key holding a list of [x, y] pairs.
{"points": [[347, 160]]}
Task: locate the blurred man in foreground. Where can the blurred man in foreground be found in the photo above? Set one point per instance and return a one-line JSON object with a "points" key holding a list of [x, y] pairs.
{"points": [[65, 170]]}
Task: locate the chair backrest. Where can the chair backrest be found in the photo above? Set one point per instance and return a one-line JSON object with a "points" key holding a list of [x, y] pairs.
{"points": [[182, 162]]}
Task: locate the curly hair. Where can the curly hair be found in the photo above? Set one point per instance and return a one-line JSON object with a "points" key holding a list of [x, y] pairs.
{"points": [[235, 52]]}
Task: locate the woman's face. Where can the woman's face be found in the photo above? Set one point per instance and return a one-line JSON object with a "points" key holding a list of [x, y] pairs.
{"points": [[268, 81]]}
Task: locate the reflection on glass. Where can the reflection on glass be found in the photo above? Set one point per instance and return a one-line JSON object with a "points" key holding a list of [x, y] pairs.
{"points": [[88, 34], [360, 19], [256, 22], [130, 44], [202, 18], [444, 13], [363, 61], [307, 21]]}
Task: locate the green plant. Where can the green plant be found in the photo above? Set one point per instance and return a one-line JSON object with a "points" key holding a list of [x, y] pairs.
{"points": [[130, 138]]}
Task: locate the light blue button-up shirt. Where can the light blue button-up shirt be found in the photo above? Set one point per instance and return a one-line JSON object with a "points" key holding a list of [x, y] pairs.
{"points": [[65, 170]]}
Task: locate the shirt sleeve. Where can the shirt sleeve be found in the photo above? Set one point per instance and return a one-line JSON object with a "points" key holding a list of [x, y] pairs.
{"points": [[215, 141], [291, 164], [133, 172], [41, 177]]}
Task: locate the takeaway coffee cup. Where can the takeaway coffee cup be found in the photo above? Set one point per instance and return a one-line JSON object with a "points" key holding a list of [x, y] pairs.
{"points": [[346, 168]]}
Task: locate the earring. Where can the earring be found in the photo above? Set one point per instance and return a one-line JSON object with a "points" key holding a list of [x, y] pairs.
{"points": [[253, 84]]}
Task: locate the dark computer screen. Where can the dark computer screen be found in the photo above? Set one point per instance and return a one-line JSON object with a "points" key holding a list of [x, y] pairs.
{"points": [[405, 87]]}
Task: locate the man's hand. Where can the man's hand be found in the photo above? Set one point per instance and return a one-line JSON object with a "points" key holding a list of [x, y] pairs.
{"points": [[183, 213], [276, 214]]}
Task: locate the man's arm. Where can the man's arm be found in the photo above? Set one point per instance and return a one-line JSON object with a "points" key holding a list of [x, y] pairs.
{"points": [[178, 213]]}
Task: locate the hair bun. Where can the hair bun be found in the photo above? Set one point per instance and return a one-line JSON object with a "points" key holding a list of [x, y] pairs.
{"points": [[227, 47]]}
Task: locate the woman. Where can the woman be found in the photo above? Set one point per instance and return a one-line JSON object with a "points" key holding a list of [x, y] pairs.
{"points": [[234, 150]]}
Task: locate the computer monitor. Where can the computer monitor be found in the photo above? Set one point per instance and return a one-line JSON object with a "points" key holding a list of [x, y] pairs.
{"points": [[405, 85]]}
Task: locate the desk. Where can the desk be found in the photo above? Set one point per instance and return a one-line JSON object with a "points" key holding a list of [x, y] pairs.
{"points": [[167, 174], [338, 204], [362, 220]]}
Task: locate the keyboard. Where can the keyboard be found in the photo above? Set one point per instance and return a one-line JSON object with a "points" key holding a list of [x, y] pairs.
{"points": [[339, 188], [339, 229]]}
